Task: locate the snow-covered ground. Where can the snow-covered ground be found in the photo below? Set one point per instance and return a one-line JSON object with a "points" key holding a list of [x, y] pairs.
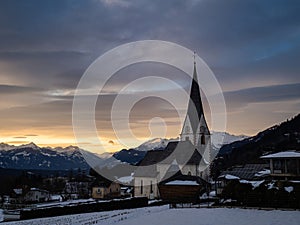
{"points": [[1, 215], [164, 215]]}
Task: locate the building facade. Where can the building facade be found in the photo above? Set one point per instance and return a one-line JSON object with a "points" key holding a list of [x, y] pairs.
{"points": [[284, 165]]}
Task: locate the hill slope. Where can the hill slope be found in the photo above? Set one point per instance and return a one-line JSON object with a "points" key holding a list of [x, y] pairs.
{"points": [[285, 136]]}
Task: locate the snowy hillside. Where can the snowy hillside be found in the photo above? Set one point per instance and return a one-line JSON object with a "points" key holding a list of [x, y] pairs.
{"points": [[219, 139], [164, 215]]}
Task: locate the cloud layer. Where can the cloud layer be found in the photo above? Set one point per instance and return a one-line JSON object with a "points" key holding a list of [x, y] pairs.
{"points": [[253, 47]]}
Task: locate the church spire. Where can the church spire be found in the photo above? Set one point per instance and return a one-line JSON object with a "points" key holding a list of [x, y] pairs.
{"points": [[195, 108]]}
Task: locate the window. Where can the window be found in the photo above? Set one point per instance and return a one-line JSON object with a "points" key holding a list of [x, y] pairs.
{"points": [[151, 187], [291, 166], [202, 139], [98, 191], [141, 187], [187, 129], [187, 138], [278, 165], [189, 173]]}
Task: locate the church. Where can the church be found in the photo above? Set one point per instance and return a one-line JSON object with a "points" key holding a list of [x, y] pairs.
{"points": [[186, 159]]}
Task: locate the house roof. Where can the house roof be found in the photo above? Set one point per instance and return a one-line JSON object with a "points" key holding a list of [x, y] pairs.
{"points": [[228, 177], [18, 191], [101, 181], [285, 154], [180, 179], [38, 189], [247, 172], [182, 182]]}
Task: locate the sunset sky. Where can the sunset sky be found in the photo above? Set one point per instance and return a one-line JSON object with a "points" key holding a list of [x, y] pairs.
{"points": [[253, 48]]}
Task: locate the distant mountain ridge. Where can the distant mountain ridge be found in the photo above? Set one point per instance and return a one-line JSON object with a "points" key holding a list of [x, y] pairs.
{"points": [[32, 157]]}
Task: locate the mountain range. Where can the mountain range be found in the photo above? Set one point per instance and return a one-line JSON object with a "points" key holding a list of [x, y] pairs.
{"points": [[32, 157]]}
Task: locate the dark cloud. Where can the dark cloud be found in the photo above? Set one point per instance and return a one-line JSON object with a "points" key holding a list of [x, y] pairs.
{"points": [[267, 94], [252, 46], [61, 38], [14, 89]]}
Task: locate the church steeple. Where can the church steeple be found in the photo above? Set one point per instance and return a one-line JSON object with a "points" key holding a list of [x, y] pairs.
{"points": [[195, 108], [195, 128]]}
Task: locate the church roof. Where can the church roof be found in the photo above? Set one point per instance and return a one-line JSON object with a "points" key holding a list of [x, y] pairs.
{"points": [[184, 153]]}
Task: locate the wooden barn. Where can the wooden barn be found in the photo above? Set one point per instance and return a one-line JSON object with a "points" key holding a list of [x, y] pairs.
{"points": [[182, 189]]}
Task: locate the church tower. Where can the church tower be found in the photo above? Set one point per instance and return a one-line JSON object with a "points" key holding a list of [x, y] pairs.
{"points": [[195, 128]]}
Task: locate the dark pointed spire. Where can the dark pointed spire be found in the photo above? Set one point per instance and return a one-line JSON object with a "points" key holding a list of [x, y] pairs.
{"points": [[195, 108]]}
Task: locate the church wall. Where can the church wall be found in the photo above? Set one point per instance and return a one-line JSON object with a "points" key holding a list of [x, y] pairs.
{"points": [[190, 170], [162, 169], [145, 191]]}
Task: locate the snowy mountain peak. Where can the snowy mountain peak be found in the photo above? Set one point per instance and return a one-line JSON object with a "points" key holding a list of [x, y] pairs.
{"points": [[219, 139], [6, 147], [69, 149], [29, 145], [156, 143]]}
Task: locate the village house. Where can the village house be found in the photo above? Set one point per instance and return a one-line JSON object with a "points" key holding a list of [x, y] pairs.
{"points": [[16, 196], [249, 172], [28, 195], [77, 189], [284, 165], [105, 189], [36, 195]]}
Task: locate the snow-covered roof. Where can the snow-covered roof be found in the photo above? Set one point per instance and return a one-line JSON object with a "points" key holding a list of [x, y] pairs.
{"points": [[285, 154], [289, 189], [126, 179], [229, 177], [254, 184], [18, 191], [262, 173], [37, 189], [182, 182]]}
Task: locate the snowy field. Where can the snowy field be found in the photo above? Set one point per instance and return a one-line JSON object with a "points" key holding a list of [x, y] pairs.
{"points": [[162, 215]]}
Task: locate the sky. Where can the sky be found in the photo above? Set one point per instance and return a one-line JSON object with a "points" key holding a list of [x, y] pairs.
{"points": [[252, 47]]}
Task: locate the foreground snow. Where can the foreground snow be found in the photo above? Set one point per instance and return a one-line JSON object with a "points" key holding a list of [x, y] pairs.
{"points": [[164, 215]]}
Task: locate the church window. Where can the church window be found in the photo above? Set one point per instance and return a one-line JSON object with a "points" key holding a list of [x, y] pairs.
{"points": [[187, 138], [202, 139], [151, 187], [187, 129], [189, 173], [202, 129]]}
